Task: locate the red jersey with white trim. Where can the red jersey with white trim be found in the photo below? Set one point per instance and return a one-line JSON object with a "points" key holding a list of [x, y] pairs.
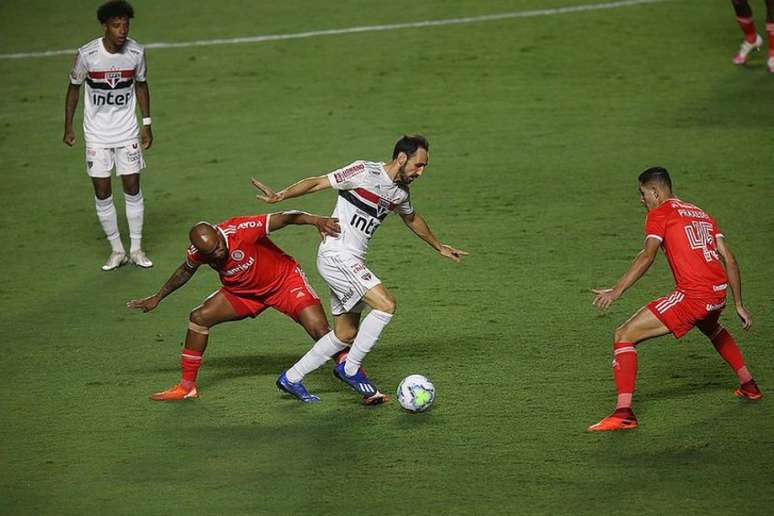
{"points": [[687, 235], [366, 196], [255, 265], [109, 118]]}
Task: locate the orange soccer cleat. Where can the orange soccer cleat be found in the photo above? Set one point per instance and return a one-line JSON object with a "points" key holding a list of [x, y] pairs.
{"points": [[615, 421], [177, 392], [749, 390], [376, 399]]}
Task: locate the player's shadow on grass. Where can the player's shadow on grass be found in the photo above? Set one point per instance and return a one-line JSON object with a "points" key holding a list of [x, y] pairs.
{"points": [[686, 388], [236, 366]]}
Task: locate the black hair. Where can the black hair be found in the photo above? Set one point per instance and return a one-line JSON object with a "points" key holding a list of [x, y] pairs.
{"points": [[656, 175], [410, 144], [114, 9]]}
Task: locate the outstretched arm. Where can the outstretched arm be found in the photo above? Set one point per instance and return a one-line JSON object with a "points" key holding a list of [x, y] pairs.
{"points": [[327, 226], [420, 228], [179, 278], [303, 187], [605, 296], [734, 280]]}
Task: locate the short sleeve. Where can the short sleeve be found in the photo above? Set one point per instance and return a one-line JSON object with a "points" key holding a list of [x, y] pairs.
{"points": [[348, 178], [406, 208], [193, 257], [655, 225], [252, 229], [141, 69], [79, 71]]}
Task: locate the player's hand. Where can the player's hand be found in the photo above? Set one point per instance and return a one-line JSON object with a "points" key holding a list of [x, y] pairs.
{"points": [[69, 137], [267, 195], [452, 253], [745, 316], [146, 305], [327, 226], [604, 297], [146, 136]]}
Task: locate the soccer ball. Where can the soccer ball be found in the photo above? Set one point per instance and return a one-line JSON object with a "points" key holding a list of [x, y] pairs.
{"points": [[416, 393]]}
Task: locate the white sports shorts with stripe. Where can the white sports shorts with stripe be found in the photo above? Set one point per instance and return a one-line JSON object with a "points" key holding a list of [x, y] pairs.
{"points": [[126, 160], [348, 279]]}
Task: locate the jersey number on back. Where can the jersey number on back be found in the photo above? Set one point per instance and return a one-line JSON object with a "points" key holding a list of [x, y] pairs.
{"points": [[700, 237]]}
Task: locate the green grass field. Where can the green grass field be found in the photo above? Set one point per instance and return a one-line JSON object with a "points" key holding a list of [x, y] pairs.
{"points": [[539, 127]]}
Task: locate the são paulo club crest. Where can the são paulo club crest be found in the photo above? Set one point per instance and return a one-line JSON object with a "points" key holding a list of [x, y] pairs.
{"points": [[237, 255], [113, 78], [382, 207]]}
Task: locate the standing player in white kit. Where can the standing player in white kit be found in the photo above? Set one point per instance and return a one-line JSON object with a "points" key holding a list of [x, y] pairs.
{"points": [[368, 192], [113, 67]]}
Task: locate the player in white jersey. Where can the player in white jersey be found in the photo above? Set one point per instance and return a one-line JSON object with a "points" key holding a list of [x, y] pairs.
{"points": [[367, 192], [113, 67]]}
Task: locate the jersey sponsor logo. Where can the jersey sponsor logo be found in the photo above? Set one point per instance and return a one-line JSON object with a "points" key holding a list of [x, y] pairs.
{"points": [[720, 288], [365, 224], [239, 268], [712, 308], [348, 172], [250, 224], [110, 99], [237, 255]]}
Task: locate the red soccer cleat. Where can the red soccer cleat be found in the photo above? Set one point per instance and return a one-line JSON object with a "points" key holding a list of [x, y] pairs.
{"points": [[618, 420], [749, 390], [177, 392]]}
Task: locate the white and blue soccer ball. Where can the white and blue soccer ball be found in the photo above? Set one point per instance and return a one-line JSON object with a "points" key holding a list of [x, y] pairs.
{"points": [[416, 393]]}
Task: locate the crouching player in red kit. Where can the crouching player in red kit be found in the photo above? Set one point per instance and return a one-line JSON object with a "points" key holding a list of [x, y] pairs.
{"points": [[255, 275], [703, 267]]}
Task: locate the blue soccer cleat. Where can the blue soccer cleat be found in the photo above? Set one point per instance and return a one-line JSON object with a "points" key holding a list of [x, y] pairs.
{"points": [[361, 385], [295, 389]]}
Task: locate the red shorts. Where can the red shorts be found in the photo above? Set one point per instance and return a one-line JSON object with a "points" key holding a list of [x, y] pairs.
{"points": [[680, 313], [291, 298]]}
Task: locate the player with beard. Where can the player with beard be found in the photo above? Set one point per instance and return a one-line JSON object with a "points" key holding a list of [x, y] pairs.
{"points": [[368, 191]]}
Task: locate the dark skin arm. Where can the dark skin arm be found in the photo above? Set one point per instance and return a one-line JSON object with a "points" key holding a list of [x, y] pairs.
{"points": [[71, 102], [325, 225], [143, 99], [605, 296], [179, 278]]}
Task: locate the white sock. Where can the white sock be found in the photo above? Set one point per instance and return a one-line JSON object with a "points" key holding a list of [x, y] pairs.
{"points": [[320, 353], [135, 210], [106, 213], [367, 335]]}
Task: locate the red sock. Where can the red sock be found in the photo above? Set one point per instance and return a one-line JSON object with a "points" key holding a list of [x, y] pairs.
{"points": [[748, 27], [624, 372], [190, 361], [726, 345], [770, 32]]}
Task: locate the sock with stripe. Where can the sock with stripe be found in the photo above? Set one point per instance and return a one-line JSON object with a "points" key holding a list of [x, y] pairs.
{"points": [[770, 32], [748, 27], [367, 335], [625, 375], [108, 219], [190, 361], [728, 349], [321, 352]]}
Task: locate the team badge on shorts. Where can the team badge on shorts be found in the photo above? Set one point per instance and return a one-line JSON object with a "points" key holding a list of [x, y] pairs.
{"points": [[237, 255], [89, 164]]}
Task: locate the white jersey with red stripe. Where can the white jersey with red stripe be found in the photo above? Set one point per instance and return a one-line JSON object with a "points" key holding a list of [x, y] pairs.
{"points": [[109, 118], [366, 196]]}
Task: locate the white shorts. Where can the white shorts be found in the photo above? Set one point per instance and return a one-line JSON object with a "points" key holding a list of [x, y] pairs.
{"points": [[348, 279], [127, 160]]}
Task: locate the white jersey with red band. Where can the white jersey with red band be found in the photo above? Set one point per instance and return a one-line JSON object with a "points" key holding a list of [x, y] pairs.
{"points": [[109, 118], [366, 196]]}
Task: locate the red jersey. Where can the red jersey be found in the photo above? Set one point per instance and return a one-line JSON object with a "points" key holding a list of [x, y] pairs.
{"points": [[687, 236], [255, 265]]}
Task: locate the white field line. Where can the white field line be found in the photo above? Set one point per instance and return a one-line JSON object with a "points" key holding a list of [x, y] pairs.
{"points": [[366, 28]]}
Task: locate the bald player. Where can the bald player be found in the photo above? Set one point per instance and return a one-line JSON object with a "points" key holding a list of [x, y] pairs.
{"points": [[255, 274]]}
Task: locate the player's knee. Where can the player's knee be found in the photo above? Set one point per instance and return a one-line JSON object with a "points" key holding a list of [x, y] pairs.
{"points": [[346, 335], [198, 318], [389, 305], [621, 334], [318, 330]]}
